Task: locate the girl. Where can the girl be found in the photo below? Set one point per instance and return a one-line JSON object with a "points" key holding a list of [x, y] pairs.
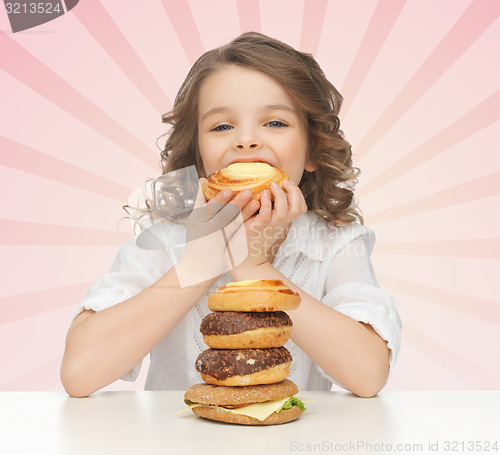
{"points": [[254, 99]]}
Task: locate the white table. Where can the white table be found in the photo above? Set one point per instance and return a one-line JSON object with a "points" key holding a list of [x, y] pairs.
{"points": [[337, 423]]}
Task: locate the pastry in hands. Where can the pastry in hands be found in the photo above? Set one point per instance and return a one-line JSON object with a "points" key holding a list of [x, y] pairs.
{"points": [[241, 367], [238, 330], [254, 295], [255, 177]]}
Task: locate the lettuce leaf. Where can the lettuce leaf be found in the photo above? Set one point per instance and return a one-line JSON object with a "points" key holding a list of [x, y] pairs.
{"points": [[292, 401]]}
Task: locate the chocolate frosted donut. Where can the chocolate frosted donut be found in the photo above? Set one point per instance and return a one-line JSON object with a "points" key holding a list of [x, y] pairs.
{"points": [[239, 367], [237, 330]]}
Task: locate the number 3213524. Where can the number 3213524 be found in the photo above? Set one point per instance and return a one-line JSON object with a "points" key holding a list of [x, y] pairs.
{"points": [[33, 8]]}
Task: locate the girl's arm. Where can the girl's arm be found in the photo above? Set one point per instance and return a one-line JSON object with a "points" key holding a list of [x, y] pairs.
{"points": [[101, 347], [349, 351]]}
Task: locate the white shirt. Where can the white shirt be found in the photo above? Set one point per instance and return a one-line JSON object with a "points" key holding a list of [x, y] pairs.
{"points": [[331, 265]]}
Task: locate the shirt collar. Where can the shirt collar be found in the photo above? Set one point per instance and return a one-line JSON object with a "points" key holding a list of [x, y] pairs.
{"points": [[304, 237]]}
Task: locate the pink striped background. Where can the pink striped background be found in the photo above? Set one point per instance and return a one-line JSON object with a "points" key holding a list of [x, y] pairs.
{"points": [[81, 103]]}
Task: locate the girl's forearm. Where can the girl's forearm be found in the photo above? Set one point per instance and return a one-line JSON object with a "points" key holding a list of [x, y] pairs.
{"points": [[101, 347], [349, 351]]}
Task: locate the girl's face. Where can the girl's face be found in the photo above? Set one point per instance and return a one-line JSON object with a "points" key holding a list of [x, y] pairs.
{"points": [[244, 115]]}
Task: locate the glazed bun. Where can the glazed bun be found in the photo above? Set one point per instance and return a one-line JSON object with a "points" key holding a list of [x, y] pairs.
{"points": [[254, 295], [255, 177], [242, 367], [237, 330]]}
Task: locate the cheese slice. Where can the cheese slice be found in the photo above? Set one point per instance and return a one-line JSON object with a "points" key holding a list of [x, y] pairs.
{"points": [[259, 411]]}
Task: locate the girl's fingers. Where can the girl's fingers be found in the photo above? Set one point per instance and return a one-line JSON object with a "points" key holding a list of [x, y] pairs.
{"points": [[249, 209], [246, 213], [227, 212], [296, 202], [219, 200], [280, 202], [265, 211]]}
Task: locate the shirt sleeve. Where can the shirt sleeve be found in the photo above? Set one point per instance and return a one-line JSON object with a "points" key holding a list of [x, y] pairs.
{"points": [[133, 270], [352, 289]]}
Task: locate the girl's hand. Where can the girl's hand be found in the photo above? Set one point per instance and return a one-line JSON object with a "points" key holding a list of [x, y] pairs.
{"points": [[266, 230], [211, 245]]}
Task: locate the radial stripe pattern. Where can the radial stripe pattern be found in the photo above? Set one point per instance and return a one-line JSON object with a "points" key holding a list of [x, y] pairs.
{"points": [[38, 163], [476, 19], [249, 15], [312, 25], [25, 67], [473, 121], [377, 31], [82, 99], [102, 27]]}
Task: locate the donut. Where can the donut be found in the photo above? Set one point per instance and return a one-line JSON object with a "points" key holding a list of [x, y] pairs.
{"points": [[237, 330], [255, 177], [241, 367], [254, 295]]}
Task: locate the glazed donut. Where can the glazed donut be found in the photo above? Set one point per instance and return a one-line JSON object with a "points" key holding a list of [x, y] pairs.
{"points": [[254, 295], [238, 330], [241, 367], [255, 177]]}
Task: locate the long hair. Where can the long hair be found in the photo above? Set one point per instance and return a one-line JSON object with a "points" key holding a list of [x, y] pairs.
{"points": [[328, 190]]}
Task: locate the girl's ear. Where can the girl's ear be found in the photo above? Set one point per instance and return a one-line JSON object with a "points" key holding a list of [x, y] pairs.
{"points": [[310, 167]]}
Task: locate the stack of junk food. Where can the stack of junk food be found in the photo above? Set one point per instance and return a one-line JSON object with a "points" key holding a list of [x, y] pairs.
{"points": [[246, 365]]}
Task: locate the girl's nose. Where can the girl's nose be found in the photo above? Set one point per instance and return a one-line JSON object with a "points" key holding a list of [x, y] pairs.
{"points": [[246, 140], [253, 145]]}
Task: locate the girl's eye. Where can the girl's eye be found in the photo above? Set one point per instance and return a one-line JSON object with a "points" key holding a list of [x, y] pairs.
{"points": [[275, 124], [222, 128]]}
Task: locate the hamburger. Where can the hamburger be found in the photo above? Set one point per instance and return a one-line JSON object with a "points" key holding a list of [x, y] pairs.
{"points": [[268, 404]]}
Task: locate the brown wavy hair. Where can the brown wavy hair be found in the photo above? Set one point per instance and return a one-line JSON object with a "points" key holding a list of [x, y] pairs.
{"points": [[328, 190]]}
